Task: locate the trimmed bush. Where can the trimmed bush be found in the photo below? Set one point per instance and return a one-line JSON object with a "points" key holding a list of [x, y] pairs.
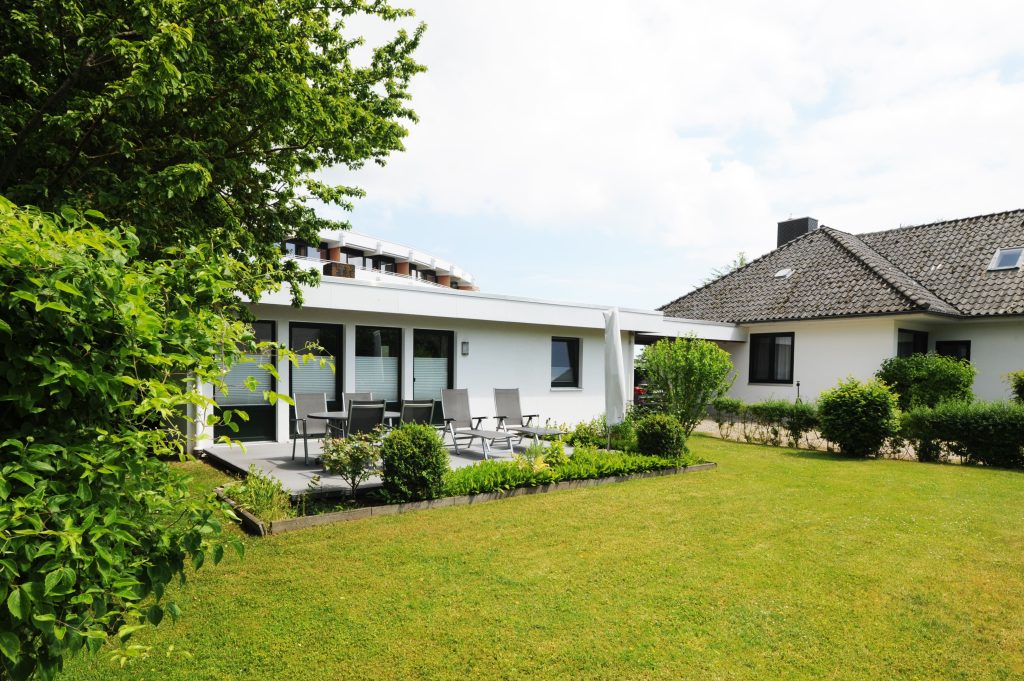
{"points": [[801, 419], [1016, 380], [414, 463], [660, 435], [925, 380], [726, 411], [858, 417], [684, 376], [987, 433]]}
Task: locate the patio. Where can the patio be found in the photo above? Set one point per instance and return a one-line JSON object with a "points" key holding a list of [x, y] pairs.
{"points": [[275, 458]]}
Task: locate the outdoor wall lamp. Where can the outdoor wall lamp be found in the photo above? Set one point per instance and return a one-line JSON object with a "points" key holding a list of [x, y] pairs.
{"points": [[465, 348]]}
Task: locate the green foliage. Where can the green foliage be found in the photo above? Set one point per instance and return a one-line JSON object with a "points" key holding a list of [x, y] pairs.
{"points": [[1016, 381], [554, 454], [925, 380], [592, 433], [769, 419], [199, 122], [726, 412], [685, 375], [531, 471], [354, 458], [660, 435], [414, 463], [800, 419], [260, 494], [96, 349], [858, 417], [988, 433]]}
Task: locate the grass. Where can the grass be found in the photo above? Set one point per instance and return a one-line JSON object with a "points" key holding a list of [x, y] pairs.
{"points": [[780, 564]]}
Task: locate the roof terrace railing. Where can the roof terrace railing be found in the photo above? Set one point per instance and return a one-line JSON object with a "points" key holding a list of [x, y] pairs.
{"points": [[321, 261]]}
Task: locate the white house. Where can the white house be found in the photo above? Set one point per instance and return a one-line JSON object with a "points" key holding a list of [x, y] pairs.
{"points": [[403, 336], [826, 304]]}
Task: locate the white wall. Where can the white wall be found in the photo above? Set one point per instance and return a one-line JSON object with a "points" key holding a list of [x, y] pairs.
{"points": [[501, 355], [997, 348], [827, 351], [823, 353]]}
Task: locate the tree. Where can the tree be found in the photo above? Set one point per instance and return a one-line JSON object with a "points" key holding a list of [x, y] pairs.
{"points": [[199, 122], [198, 130], [94, 524], [684, 376], [717, 273]]}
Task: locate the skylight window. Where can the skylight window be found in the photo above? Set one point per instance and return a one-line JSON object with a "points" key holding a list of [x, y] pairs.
{"points": [[784, 273], [1007, 259]]}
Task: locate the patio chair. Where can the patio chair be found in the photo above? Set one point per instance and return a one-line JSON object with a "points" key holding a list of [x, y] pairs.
{"points": [[305, 404], [364, 416], [511, 418], [458, 423], [348, 397], [417, 411]]}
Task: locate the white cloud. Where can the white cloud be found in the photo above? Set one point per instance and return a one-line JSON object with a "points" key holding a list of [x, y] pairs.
{"points": [[695, 126]]}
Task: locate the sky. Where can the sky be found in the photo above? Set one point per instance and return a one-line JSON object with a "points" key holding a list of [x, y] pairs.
{"points": [[616, 153]]}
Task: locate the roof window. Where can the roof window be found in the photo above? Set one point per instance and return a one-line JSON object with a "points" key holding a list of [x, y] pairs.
{"points": [[1006, 259], [784, 273]]}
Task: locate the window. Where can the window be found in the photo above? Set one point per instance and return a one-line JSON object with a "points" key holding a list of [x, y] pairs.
{"points": [[433, 358], [353, 256], [383, 263], [296, 248], [322, 373], [235, 393], [771, 357], [911, 342], [1006, 259], [378, 362], [961, 349], [565, 362]]}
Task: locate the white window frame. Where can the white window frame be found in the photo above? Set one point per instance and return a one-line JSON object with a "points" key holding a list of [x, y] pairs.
{"points": [[994, 266]]}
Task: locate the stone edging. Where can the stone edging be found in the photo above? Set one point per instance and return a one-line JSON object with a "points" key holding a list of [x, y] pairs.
{"points": [[255, 526]]}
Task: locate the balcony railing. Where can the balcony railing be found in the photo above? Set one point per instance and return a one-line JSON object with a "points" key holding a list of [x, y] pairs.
{"points": [[320, 262]]}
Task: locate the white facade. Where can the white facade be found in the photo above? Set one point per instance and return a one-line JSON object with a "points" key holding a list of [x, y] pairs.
{"points": [[827, 351], [509, 341]]}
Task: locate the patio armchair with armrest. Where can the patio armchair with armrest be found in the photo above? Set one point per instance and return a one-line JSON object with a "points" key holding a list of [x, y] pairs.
{"points": [[459, 424], [511, 418], [305, 404]]}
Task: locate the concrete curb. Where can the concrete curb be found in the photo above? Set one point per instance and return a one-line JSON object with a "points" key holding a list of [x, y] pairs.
{"points": [[255, 526]]}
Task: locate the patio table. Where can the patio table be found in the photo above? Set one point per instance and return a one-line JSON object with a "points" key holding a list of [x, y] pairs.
{"points": [[341, 416]]}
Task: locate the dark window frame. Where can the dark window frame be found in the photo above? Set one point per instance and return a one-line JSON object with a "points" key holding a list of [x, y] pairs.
{"points": [[950, 348], [249, 430], [574, 346], [339, 359], [391, 405], [919, 342], [771, 369]]}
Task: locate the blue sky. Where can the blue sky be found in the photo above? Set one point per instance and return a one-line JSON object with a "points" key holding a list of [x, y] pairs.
{"points": [[615, 153]]}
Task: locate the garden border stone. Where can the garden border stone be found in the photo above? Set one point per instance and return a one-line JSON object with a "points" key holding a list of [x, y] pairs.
{"points": [[257, 527]]}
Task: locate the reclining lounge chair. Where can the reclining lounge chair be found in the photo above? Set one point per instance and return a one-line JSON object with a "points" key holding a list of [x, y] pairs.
{"points": [[459, 424]]}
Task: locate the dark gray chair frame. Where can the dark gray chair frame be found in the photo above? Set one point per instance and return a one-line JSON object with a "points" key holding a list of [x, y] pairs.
{"points": [[417, 411], [459, 424], [364, 416], [305, 404]]}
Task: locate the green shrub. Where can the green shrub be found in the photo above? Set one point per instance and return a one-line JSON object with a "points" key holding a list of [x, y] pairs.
{"points": [[592, 433], [1016, 380], [988, 433], [726, 411], [801, 419], [660, 435], [925, 380], [684, 376], [414, 462], [260, 494], [493, 476], [589, 462], [354, 458], [554, 454], [769, 420], [858, 417]]}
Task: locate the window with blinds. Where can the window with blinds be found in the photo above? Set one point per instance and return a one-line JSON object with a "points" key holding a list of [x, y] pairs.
{"points": [[316, 375], [320, 373], [236, 392], [378, 362], [433, 356]]}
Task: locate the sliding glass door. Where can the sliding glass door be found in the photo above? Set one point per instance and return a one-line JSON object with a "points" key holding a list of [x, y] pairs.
{"points": [[433, 364], [379, 363], [322, 372], [236, 395]]}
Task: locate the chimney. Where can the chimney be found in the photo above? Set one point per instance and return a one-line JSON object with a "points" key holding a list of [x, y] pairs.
{"points": [[791, 229]]}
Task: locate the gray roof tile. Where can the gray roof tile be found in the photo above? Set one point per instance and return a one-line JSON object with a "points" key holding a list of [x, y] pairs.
{"points": [[940, 268]]}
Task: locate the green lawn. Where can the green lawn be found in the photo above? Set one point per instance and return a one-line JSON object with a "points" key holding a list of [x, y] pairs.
{"points": [[780, 564]]}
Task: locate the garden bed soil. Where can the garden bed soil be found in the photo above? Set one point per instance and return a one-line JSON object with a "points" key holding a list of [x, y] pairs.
{"points": [[260, 528]]}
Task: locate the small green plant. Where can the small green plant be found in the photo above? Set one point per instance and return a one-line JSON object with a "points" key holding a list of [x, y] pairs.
{"points": [[354, 458], [414, 463], [1016, 381], [660, 435], [260, 494], [858, 417], [554, 454], [925, 380], [726, 411], [592, 433]]}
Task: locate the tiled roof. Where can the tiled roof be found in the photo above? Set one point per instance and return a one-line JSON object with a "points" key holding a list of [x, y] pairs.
{"points": [[940, 268]]}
